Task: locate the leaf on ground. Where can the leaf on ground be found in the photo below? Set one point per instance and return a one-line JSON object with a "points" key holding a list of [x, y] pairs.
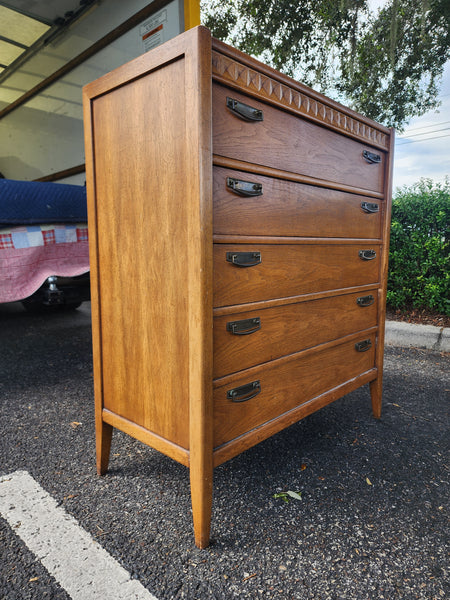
{"points": [[289, 494], [368, 481], [75, 424], [296, 495], [282, 495]]}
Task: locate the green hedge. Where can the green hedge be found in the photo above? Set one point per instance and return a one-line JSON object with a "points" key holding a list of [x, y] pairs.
{"points": [[419, 258]]}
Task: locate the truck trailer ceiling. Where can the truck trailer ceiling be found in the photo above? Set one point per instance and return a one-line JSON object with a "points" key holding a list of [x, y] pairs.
{"points": [[26, 26], [50, 49], [38, 38]]}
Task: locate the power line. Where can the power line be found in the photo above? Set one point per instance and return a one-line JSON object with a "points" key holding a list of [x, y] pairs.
{"points": [[426, 132], [436, 137], [428, 126]]}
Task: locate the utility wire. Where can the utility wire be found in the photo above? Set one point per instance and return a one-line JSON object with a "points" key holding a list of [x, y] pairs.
{"points": [[427, 126], [436, 137], [425, 133]]}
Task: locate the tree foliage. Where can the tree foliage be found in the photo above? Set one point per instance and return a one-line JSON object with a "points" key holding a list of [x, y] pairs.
{"points": [[385, 64]]}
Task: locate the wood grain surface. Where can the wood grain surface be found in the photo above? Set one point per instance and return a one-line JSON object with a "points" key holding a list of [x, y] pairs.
{"points": [[286, 384], [291, 143], [289, 270], [286, 208], [289, 328], [164, 293]]}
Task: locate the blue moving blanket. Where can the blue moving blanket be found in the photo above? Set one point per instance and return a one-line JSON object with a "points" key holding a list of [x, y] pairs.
{"points": [[33, 202]]}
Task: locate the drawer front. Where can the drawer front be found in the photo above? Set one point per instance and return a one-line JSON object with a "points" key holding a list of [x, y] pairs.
{"points": [[250, 338], [289, 143], [283, 387], [249, 204], [289, 270]]}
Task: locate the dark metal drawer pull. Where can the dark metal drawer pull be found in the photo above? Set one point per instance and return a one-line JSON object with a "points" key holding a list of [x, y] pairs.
{"points": [[365, 300], [244, 111], [244, 259], [244, 327], [371, 157], [370, 207], [363, 346], [244, 392], [244, 188], [367, 254]]}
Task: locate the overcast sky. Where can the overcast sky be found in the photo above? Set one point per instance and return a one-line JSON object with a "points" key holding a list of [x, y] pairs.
{"points": [[423, 150]]}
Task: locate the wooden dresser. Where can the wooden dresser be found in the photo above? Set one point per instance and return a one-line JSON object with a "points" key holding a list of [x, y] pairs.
{"points": [[239, 228]]}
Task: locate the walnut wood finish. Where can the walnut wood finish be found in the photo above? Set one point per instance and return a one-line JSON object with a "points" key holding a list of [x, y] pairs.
{"points": [[286, 208], [285, 142], [269, 428], [290, 270], [285, 384], [163, 292], [288, 329], [151, 269], [241, 72]]}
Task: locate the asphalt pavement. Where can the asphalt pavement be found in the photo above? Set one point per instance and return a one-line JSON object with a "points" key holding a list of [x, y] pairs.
{"points": [[372, 523]]}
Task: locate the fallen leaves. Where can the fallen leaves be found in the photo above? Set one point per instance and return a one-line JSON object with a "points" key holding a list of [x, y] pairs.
{"points": [[70, 496], [75, 424], [286, 496]]}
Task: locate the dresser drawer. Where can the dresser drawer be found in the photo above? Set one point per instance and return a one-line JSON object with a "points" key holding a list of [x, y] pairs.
{"points": [[278, 388], [249, 204], [284, 270], [243, 340], [290, 143]]}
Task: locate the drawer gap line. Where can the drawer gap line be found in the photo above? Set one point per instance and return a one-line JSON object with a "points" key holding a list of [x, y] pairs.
{"points": [[240, 165], [252, 372], [219, 238], [274, 302]]}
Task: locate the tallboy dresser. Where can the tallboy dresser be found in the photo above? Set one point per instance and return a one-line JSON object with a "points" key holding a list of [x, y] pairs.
{"points": [[238, 227]]}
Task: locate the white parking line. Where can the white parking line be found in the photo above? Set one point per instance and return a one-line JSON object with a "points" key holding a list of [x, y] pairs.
{"points": [[77, 562]]}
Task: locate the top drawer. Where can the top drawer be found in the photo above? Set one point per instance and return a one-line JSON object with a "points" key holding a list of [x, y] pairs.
{"points": [[290, 143]]}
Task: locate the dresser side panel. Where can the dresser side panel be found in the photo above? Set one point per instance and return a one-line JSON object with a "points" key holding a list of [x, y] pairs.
{"points": [[140, 168]]}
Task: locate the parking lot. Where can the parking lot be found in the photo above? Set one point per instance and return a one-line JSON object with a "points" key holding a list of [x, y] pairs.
{"points": [[372, 522]]}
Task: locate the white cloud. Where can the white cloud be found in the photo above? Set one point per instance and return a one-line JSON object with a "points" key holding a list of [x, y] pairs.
{"points": [[423, 150]]}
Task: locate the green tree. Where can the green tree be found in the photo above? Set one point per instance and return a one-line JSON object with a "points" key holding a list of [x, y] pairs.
{"points": [[385, 64]]}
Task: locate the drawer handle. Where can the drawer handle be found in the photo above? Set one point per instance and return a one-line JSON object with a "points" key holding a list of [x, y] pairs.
{"points": [[244, 188], [370, 207], [363, 346], [244, 111], [244, 259], [365, 300], [244, 392], [371, 157], [244, 327], [367, 254]]}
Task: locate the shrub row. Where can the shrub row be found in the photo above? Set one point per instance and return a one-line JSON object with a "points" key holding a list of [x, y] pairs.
{"points": [[419, 257]]}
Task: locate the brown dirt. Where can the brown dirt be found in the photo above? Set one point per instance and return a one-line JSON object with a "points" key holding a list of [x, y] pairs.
{"points": [[419, 316]]}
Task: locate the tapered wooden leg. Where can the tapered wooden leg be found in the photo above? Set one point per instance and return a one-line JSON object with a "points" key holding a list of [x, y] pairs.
{"points": [[201, 475], [103, 443], [376, 390]]}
